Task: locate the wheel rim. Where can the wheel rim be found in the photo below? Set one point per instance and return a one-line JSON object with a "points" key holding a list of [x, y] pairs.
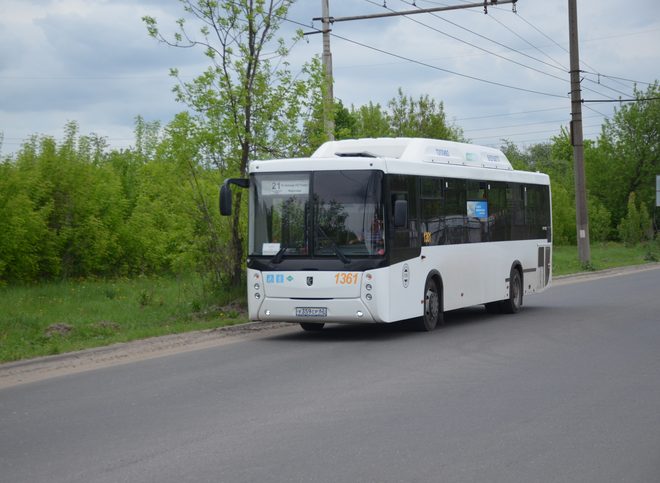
{"points": [[431, 304], [516, 291]]}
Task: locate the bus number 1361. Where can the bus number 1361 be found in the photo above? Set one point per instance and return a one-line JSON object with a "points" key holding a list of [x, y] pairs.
{"points": [[344, 278]]}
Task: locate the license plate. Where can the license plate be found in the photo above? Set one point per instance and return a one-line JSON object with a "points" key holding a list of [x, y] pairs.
{"points": [[311, 312]]}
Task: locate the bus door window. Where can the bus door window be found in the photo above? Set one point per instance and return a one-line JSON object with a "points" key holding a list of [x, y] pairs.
{"points": [[405, 240], [431, 198], [454, 211]]}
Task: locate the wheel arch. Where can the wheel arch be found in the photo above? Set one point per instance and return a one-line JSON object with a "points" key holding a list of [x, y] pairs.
{"points": [[517, 265]]}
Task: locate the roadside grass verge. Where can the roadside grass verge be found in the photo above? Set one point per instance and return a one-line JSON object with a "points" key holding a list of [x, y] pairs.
{"points": [[603, 255], [53, 318], [58, 317]]}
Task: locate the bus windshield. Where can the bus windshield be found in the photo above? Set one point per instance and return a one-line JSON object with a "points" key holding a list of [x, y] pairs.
{"points": [[324, 213]]}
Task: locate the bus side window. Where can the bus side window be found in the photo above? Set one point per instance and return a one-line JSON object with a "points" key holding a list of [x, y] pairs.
{"points": [[454, 211], [499, 226], [516, 204]]}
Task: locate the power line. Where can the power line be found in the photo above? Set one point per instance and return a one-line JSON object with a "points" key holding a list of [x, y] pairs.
{"points": [[510, 114], [530, 132], [561, 69], [522, 89], [560, 46], [524, 124], [489, 39], [594, 110], [638, 99], [398, 56], [617, 78]]}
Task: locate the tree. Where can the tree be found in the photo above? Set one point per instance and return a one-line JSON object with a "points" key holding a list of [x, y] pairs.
{"points": [[371, 121], [629, 154], [635, 227], [420, 118], [250, 107]]}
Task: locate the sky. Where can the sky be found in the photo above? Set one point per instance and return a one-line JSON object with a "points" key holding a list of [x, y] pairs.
{"points": [[92, 61]]}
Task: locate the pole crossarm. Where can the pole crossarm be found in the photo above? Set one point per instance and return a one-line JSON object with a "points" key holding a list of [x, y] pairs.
{"points": [[485, 4]]}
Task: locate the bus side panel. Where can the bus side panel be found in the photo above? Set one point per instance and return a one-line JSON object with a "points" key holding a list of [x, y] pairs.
{"points": [[478, 273]]}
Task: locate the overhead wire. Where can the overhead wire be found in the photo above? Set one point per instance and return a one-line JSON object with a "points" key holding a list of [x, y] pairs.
{"points": [[508, 47], [418, 62], [561, 69], [510, 114], [480, 36], [425, 64], [567, 51], [524, 124], [529, 132]]}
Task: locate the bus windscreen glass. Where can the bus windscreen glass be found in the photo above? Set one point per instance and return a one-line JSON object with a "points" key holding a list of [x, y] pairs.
{"points": [[346, 214]]}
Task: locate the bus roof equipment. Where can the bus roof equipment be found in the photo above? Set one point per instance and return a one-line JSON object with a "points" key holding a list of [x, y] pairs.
{"points": [[417, 149]]}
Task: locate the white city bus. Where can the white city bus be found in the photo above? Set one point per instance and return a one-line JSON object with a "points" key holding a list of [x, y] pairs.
{"points": [[389, 229]]}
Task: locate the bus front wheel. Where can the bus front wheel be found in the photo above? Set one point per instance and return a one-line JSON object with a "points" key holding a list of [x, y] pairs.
{"points": [[433, 315]]}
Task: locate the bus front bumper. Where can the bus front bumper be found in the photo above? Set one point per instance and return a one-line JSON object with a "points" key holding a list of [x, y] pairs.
{"points": [[345, 311]]}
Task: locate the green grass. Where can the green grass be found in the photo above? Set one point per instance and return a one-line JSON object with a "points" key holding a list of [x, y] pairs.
{"points": [[603, 255], [52, 318]]}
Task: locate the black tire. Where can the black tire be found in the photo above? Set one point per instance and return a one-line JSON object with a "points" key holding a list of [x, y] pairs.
{"points": [[433, 315], [311, 326], [513, 304]]}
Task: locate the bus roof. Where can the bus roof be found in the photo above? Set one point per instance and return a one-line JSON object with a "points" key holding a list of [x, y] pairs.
{"points": [[417, 149], [416, 156]]}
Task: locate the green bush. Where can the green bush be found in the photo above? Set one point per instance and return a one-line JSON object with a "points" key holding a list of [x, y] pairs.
{"points": [[636, 226]]}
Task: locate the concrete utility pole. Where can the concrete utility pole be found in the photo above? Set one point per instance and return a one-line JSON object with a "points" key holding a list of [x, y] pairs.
{"points": [[326, 19], [581, 215], [328, 96]]}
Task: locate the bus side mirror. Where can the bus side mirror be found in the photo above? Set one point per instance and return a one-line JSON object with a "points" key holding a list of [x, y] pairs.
{"points": [[548, 232], [225, 200], [225, 193], [400, 213]]}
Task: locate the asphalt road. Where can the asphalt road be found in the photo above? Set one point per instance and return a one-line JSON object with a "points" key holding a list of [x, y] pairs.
{"points": [[566, 391]]}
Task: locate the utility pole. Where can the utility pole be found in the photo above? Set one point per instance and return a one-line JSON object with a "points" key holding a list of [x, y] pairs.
{"points": [[581, 214], [328, 96], [326, 19]]}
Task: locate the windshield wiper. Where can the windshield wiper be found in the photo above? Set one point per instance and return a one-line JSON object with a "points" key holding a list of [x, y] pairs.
{"points": [[338, 252], [279, 255]]}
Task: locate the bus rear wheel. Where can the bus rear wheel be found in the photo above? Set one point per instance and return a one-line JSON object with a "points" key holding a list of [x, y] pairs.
{"points": [[311, 326], [513, 304], [433, 315]]}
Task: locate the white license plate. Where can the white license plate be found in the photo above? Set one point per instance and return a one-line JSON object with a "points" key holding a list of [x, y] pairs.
{"points": [[311, 312]]}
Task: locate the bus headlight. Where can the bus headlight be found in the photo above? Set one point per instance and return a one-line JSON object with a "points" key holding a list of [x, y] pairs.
{"points": [[368, 286], [257, 286], [257, 295], [368, 296]]}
